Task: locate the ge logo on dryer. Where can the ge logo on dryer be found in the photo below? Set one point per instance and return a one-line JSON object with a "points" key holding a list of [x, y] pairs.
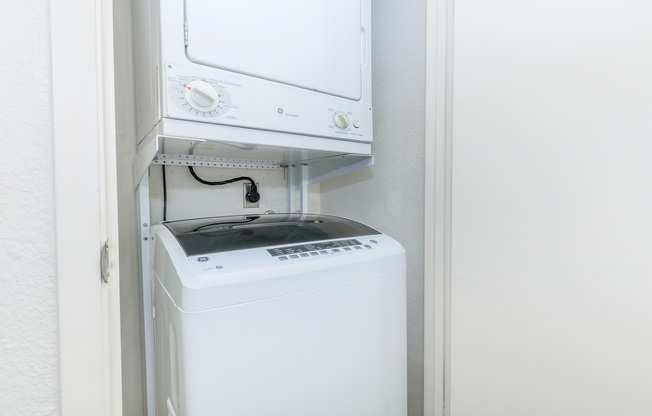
{"points": [[202, 259]]}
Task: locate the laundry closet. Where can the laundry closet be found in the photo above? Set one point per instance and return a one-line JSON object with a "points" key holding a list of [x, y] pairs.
{"points": [[287, 128]]}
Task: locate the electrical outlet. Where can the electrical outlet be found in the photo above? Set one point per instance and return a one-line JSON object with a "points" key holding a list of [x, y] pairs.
{"points": [[247, 204]]}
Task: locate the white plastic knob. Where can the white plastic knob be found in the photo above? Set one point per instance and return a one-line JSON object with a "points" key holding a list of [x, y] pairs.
{"points": [[341, 120], [202, 96]]}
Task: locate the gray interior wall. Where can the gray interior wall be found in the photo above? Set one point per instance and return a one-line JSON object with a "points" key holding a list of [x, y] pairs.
{"points": [[389, 195], [130, 325]]}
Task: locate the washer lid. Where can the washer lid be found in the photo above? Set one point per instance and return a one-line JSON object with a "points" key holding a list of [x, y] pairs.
{"points": [[220, 234]]}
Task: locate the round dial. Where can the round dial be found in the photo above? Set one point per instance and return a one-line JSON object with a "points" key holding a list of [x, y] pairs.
{"points": [[202, 96], [341, 120]]}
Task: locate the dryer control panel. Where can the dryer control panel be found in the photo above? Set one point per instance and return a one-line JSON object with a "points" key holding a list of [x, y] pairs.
{"points": [[219, 97]]}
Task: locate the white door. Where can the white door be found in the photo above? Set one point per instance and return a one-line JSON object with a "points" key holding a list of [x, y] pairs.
{"points": [[551, 202], [86, 206]]}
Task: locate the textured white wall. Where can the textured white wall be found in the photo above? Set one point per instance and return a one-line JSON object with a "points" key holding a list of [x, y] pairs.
{"points": [[188, 198], [29, 370], [389, 195]]}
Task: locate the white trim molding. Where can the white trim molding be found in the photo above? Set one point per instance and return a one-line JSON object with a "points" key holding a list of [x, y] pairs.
{"points": [[86, 206], [437, 215]]}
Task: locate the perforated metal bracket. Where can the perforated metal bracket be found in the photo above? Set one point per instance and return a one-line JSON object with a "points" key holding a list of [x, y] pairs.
{"points": [[216, 162]]}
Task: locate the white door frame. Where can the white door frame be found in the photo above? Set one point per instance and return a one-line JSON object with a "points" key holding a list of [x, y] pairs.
{"points": [[437, 216], [86, 206]]}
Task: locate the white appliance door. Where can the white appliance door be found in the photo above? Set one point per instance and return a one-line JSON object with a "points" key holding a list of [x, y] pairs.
{"points": [[316, 44]]}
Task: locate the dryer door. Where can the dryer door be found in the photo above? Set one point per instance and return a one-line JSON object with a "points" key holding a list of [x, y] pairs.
{"points": [[316, 45]]}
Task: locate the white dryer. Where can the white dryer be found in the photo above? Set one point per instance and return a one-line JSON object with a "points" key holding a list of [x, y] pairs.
{"points": [[279, 315], [291, 74]]}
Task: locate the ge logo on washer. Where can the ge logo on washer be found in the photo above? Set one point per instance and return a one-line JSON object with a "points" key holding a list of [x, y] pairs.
{"points": [[202, 259]]}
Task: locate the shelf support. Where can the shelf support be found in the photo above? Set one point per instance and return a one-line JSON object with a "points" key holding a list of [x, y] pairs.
{"points": [[298, 175], [303, 188], [147, 289]]}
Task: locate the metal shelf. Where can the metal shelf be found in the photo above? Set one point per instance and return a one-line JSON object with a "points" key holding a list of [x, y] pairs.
{"points": [[315, 165]]}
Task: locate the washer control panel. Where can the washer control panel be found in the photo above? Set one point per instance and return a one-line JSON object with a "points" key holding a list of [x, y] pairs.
{"points": [[244, 259], [314, 248]]}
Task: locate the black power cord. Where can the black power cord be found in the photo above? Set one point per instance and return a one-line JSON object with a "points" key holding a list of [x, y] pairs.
{"points": [[252, 196], [165, 186], [165, 194]]}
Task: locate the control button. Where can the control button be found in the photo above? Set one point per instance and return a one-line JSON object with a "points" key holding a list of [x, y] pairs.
{"points": [[374, 241], [294, 256], [323, 252], [283, 258], [336, 250], [304, 255], [347, 248], [314, 253], [341, 120], [357, 248], [202, 96], [367, 246], [356, 124]]}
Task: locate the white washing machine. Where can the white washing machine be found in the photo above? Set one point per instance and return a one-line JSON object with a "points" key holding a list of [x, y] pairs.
{"points": [[279, 315]]}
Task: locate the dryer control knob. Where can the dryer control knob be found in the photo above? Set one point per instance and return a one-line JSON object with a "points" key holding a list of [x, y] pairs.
{"points": [[202, 96], [341, 120]]}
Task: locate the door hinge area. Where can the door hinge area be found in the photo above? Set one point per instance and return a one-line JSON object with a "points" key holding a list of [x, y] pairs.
{"points": [[185, 33], [104, 262]]}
